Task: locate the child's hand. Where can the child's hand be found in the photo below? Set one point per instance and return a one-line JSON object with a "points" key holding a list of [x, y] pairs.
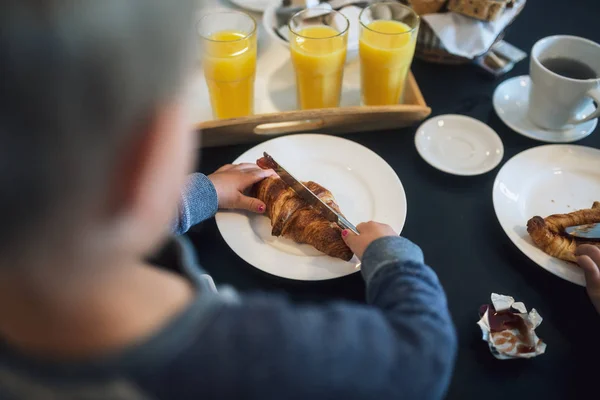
{"points": [[230, 182], [588, 258], [369, 232]]}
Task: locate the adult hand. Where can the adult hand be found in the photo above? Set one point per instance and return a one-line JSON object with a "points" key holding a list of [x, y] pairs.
{"points": [[588, 258], [231, 181], [369, 232]]}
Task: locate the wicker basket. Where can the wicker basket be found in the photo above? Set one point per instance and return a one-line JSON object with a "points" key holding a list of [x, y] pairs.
{"points": [[429, 47]]}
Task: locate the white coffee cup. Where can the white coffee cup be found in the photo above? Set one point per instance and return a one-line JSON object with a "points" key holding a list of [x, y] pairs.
{"points": [[556, 101]]}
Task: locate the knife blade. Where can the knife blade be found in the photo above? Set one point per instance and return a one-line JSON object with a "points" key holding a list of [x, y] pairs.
{"points": [[587, 231], [308, 196]]}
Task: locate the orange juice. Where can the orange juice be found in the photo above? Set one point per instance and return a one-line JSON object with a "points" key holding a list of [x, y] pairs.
{"points": [[318, 54], [229, 68], [386, 50]]}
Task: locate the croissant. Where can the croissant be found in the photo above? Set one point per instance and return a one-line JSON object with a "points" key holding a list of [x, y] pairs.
{"points": [[293, 218], [549, 233]]}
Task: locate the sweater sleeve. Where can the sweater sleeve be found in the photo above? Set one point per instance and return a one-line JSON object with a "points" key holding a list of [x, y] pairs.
{"points": [[402, 344], [198, 203]]}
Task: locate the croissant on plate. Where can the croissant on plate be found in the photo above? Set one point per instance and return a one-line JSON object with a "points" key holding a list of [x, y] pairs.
{"points": [[549, 233], [293, 218]]}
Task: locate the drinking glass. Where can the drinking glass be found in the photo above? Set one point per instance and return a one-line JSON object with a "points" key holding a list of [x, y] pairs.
{"points": [[318, 42], [388, 34], [229, 61]]}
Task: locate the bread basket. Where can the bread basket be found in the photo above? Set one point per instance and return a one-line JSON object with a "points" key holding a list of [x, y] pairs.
{"points": [[429, 48], [423, 7], [485, 10]]}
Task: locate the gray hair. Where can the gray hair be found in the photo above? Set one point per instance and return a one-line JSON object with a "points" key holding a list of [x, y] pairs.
{"points": [[78, 80]]}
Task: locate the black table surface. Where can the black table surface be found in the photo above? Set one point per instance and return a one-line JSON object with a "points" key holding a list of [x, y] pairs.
{"points": [[453, 220]]}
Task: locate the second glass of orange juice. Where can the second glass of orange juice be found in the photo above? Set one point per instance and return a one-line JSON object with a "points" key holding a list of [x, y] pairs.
{"points": [[229, 61], [318, 41], [388, 34]]}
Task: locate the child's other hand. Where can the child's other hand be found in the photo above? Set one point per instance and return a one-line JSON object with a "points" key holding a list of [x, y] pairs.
{"points": [[588, 258], [369, 232], [230, 182]]}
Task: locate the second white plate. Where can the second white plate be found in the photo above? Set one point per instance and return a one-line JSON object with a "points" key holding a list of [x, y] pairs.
{"points": [[364, 185], [546, 180]]}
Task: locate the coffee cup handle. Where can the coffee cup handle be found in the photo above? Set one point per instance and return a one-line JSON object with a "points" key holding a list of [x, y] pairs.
{"points": [[595, 95]]}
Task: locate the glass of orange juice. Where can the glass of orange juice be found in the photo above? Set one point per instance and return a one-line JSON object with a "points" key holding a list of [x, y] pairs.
{"points": [[388, 34], [318, 41], [229, 61]]}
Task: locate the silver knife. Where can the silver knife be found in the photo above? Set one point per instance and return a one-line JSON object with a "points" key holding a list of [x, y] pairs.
{"points": [[311, 198], [587, 231]]}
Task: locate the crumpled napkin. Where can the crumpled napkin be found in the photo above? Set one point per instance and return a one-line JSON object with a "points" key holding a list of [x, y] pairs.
{"points": [[468, 37], [509, 329]]}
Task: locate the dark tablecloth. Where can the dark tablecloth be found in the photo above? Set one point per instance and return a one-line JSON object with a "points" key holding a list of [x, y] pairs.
{"points": [[453, 220]]}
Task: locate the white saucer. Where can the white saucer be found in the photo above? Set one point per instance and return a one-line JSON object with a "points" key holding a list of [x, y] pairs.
{"points": [[511, 101], [459, 145]]}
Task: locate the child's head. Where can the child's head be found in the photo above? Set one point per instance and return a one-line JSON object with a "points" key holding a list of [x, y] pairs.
{"points": [[93, 143]]}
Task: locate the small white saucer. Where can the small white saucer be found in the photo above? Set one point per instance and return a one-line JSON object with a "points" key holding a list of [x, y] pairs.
{"points": [[511, 101], [459, 145]]}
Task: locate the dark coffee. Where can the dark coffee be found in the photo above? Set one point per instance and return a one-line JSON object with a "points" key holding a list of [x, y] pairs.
{"points": [[569, 68]]}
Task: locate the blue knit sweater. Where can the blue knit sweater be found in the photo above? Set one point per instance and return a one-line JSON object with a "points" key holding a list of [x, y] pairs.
{"points": [[401, 344]]}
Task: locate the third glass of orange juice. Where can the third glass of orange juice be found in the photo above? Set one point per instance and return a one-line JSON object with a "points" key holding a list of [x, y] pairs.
{"points": [[318, 41], [386, 49], [229, 61]]}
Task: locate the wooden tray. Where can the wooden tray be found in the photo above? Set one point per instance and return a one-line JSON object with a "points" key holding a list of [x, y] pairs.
{"points": [[275, 104], [339, 120]]}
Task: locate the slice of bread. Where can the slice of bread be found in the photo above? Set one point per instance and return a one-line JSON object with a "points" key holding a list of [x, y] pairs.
{"points": [[485, 10], [423, 7]]}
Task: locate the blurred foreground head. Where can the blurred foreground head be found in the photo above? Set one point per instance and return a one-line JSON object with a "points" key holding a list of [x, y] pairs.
{"points": [[93, 143]]}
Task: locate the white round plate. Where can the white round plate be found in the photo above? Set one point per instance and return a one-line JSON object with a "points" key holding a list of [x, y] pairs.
{"points": [[459, 145], [364, 185], [253, 5], [511, 101], [546, 180]]}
